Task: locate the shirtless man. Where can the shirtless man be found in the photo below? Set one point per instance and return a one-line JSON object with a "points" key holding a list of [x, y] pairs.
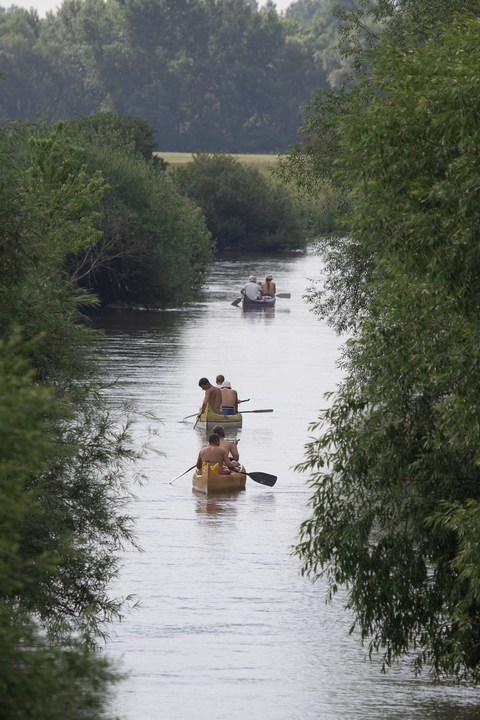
{"points": [[214, 454], [229, 445], [213, 396], [229, 399]]}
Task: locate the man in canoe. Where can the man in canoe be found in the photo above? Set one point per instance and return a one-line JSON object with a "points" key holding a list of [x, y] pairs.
{"points": [[229, 399], [216, 456], [251, 289], [229, 445], [213, 396]]}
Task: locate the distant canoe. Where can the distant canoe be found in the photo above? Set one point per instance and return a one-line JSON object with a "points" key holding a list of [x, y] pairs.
{"points": [[263, 304], [210, 482], [209, 418]]}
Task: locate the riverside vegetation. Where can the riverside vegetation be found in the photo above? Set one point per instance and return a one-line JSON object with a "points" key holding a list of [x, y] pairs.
{"points": [[85, 209], [394, 467]]}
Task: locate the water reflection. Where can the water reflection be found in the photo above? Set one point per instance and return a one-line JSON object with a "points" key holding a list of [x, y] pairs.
{"points": [[221, 504], [265, 315]]}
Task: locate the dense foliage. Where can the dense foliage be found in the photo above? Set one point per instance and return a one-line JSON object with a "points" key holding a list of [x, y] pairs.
{"points": [[396, 504], [242, 208], [147, 229], [62, 455], [209, 75]]}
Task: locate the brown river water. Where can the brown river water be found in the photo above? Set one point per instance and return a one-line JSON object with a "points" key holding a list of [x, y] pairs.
{"points": [[226, 627]]}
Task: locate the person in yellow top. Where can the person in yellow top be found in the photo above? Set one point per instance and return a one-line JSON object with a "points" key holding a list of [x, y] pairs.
{"points": [[268, 287], [216, 456]]}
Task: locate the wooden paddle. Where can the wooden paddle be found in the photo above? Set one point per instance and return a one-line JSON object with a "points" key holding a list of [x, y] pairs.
{"points": [[252, 411], [259, 477], [243, 413], [237, 301], [262, 478], [183, 473], [195, 414]]}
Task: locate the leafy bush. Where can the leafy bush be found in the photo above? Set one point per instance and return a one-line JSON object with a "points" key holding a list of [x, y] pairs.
{"points": [[243, 210], [62, 457], [148, 230]]}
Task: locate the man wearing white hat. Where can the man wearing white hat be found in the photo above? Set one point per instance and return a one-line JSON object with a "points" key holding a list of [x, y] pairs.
{"points": [[229, 399], [251, 289]]}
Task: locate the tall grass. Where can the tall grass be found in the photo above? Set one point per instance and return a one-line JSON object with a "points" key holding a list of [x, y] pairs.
{"points": [[264, 163]]}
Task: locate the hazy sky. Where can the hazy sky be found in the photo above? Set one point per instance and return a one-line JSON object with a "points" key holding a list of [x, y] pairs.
{"points": [[42, 6]]}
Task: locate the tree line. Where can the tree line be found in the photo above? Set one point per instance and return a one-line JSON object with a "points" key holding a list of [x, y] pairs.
{"points": [[217, 76], [394, 462]]}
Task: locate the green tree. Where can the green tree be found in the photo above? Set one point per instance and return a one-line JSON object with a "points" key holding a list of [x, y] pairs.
{"points": [[243, 209], [36, 678], [62, 457], [147, 229], [396, 464]]}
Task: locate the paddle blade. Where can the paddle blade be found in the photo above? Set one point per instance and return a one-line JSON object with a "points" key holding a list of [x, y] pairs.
{"points": [[283, 295], [236, 302], [263, 478]]}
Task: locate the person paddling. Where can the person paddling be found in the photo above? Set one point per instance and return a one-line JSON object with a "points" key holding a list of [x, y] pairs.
{"points": [[212, 398], [251, 289], [215, 456], [229, 445], [229, 399]]}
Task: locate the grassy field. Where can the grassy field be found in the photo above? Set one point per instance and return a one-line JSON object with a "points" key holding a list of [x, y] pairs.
{"points": [[262, 162]]}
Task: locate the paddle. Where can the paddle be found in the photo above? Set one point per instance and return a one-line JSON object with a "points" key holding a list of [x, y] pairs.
{"points": [[237, 301], [195, 414], [251, 411], [243, 413], [183, 473], [262, 478], [259, 477]]}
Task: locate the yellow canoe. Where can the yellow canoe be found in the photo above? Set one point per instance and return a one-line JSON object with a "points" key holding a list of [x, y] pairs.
{"points": [[209, 418], [210, 482]]}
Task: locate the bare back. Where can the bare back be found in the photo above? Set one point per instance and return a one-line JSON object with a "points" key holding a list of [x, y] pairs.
{"points": [[230, 447], [229, 398], [268, 288], [213, 398], [215, 455]]}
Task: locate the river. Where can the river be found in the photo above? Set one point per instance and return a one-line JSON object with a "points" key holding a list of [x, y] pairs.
{"points": [[226, 627]]}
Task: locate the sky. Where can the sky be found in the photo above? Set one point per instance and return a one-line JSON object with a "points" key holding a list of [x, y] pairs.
{"points": [[43, 6]]}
